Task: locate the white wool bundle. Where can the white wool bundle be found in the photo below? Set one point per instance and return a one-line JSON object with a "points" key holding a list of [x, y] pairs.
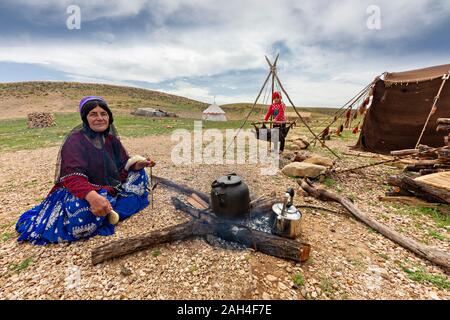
{"points": [[133, 160]]}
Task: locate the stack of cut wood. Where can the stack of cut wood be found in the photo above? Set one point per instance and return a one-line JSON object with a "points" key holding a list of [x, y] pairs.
{"points": [[444, 127], [433, 164], [40, 120], [427, 160], [432, 188]]}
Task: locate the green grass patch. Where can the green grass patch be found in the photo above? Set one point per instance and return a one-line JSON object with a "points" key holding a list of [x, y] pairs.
{"points": [[7, 225], [441, 220], [384, 256], [298, 279], [156, 253], [194, 268], [22, 265], [6, 236], [14, 134], [329, 182], [326, 285], [438, 236], [422, 276]]}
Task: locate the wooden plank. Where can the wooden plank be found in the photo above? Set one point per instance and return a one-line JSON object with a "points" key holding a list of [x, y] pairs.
{"points": [[443, 121], [439, 180], [200, 201]]}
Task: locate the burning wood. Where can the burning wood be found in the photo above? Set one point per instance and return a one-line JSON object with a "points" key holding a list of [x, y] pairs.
{"points": [[204, 223]]}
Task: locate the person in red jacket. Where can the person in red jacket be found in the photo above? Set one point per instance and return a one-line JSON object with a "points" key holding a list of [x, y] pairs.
{"points": [[277, 110], [94, 175]]}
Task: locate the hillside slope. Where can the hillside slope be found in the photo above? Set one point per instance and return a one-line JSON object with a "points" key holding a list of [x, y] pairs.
{"points": [[19, 98]]}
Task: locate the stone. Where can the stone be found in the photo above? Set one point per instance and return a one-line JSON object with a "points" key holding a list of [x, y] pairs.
{"points": [[271, 278], [265, 296], [300, 145], [319, 160], [434, 296], [282, 286], [314, 294], [302, 169]]}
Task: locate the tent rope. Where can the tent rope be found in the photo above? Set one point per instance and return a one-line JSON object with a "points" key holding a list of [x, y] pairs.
{"points": [[433, 110], [338, 114], [301, 118]]}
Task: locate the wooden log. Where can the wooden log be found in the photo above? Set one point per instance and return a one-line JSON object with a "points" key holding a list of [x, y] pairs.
{"points": [[443, 121], [417, 168], [447, 140], [444, 154], [444, 128], [421, 190], [181, 188], [129, 245], [424, 172], [200, 200], [404, 152], [411, 201], [205, 223], [432, 254], [193, 202], [257, 240]]}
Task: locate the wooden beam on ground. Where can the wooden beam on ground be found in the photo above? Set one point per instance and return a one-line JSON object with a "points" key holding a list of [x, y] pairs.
{"points": [[439, 257]]}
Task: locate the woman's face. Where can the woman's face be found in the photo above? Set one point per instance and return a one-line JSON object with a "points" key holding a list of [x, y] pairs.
{"points": [[98, 119], [276, 100]]}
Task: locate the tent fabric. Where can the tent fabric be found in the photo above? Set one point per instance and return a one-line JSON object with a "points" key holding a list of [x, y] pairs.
{"points": [[214, 113], [398, 113], [214, 109], [419, 75]]}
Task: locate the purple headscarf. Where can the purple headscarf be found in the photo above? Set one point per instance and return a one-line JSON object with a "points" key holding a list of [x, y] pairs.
{"points": [[89, 98]]}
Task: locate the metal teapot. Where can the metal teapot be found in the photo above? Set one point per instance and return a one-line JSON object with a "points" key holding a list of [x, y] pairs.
{"points": [[230, 197]]}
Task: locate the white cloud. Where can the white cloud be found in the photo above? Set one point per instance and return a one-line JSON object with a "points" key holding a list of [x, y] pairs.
{"points": [[329, 44]]}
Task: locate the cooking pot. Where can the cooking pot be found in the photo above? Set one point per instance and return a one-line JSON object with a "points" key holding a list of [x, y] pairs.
{"points": [[230, 197]]}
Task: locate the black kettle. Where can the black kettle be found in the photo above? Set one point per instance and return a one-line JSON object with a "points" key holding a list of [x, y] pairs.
{"points": [[230, 197]]}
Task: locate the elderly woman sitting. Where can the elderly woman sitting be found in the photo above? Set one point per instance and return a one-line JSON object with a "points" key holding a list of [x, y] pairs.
{"points": [[94, 177]]}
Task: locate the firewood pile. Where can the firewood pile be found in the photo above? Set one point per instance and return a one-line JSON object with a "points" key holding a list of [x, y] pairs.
{"points": [[40, 120], [427, 160], [427, 176]]}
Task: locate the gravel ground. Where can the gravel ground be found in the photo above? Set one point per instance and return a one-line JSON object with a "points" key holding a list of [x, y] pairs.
{"points": [[348, 260]]}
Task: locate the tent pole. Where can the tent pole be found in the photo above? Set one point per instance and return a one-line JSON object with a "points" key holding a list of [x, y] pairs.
{"points": [[433, 110], [273, 70], [251, 110], [303, 120]]}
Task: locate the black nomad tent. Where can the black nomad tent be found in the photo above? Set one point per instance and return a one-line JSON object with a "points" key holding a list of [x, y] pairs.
{"points": [[401, 104]]}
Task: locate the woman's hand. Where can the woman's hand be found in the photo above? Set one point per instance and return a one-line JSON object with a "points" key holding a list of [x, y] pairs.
{"points": [[100, 206], [143, 164]]}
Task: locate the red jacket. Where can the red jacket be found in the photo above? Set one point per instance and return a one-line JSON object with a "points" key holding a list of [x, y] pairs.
{"points": [[277, 110]]}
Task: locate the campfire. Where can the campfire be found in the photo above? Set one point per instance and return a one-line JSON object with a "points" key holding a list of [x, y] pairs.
{"points": [[259, 228]]}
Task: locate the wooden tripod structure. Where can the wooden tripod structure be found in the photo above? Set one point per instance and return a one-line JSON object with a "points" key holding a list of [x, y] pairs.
{"points": [[273, 74]]}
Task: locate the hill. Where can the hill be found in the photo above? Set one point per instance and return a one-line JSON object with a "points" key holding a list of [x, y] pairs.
{"points": [[19, 98]]}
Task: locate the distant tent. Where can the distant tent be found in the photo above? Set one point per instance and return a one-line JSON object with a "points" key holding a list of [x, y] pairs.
{"points": [[400, 107], [214, 113]]}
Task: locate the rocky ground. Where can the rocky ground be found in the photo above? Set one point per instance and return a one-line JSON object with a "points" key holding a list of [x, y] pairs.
{"points": [[348, 260]]}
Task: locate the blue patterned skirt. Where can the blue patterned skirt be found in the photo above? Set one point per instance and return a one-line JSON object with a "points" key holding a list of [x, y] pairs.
{"points": [[62, 217]]}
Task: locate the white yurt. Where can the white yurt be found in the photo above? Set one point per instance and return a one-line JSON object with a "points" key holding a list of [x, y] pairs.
{"points": [[214, 113]]}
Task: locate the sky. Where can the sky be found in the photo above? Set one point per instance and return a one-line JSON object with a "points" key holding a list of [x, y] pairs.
{"points": [[201, 49]]}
